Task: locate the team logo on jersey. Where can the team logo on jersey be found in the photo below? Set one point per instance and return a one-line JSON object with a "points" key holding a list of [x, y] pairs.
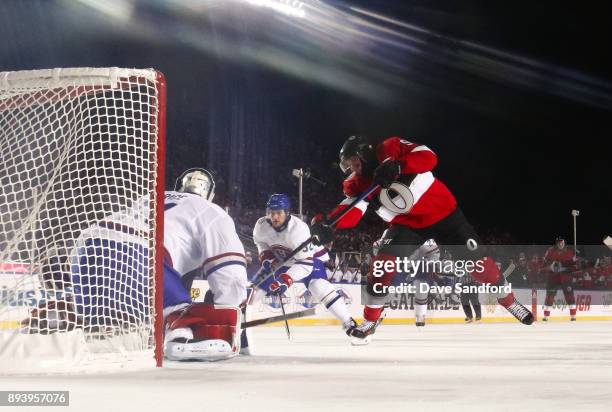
{"points": [[280, 252], [398, 198], [195, 293]]}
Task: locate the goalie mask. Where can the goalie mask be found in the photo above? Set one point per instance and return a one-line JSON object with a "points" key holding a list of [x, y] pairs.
{"points": [[197, 181]]}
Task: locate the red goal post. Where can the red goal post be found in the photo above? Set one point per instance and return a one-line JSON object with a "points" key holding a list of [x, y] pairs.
{"points": [[82, 164]]}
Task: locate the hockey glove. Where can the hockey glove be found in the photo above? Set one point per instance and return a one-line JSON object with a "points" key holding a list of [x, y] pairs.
{"points": [[268, 265], [322, 233], [281, 284], [386, 173]]}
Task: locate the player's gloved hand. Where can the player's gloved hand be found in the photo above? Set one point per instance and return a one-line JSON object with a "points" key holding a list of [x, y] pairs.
{"points": [[321, 233], [386, 173], [268, 265], [281, 284]]}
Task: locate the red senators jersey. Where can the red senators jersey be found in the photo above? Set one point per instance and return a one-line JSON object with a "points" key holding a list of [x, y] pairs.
{"points": [[432, 201], [564, 256]]}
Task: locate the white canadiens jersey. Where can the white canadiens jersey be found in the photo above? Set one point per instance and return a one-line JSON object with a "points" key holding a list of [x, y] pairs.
{"points": [[284, 242], [199, 233], [428, 251]]}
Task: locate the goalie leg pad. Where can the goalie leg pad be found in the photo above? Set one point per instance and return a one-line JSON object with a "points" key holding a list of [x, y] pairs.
{"points": [[203, 332]]}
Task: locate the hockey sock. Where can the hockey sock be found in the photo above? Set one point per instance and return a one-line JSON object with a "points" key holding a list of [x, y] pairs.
{"points": [[489, 273], [372, 312], [507, 300], [329, 297], [420, 310]]}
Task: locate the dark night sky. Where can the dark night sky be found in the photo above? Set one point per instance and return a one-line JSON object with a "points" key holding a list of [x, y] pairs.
{"points": [[518, 156]]}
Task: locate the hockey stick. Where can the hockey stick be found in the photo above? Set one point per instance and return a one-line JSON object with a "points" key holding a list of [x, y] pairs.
{"points": [[282, 305], [272, 319], [256, 283]]}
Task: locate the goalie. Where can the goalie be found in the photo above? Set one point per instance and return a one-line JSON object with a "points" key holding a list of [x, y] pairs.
{"points": [[197, 235]]}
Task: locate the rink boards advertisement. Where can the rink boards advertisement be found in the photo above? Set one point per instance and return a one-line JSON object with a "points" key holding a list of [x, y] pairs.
{"points": [[444, 309], [590, 305]]}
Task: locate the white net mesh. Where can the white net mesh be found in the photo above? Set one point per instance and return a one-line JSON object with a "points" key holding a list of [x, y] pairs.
{"points": [[78, 171]]}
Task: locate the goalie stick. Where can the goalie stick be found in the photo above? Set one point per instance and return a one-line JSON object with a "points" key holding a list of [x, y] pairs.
{"points": [[272, 319], [257, 282]]}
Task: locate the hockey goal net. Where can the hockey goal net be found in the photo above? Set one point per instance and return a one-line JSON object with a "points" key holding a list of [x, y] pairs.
{"points": [[81, 218]]}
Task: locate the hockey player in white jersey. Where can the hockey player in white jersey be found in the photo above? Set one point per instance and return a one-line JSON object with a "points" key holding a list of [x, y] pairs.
{"points": [[276, 235], [199, 234], [427, 252]]}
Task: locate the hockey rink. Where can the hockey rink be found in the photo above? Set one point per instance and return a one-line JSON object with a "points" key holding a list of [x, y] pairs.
{"points": [[507, 366]]}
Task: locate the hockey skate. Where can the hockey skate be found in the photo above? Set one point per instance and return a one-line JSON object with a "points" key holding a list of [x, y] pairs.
{"points": [[349, 326], [573, 318], [469, 320], [362, 334], [420, 321], [520, 312]]}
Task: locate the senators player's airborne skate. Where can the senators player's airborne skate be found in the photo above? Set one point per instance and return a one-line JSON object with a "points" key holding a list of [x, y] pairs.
{"points": [[517, 310], [362, 334]]}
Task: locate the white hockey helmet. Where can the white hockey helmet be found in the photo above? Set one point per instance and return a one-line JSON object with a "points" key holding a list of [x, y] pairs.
{"points": [[198, 181]]}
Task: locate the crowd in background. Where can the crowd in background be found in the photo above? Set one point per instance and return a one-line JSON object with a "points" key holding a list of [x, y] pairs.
{"points": [[352, 249], [351, 252]]}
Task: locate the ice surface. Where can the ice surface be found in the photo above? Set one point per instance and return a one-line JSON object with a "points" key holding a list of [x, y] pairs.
{"points": [[492, 367]]}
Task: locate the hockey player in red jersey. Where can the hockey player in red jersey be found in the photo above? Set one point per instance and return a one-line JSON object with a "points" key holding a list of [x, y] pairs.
{"points": [[559, 261], [418, 207]]}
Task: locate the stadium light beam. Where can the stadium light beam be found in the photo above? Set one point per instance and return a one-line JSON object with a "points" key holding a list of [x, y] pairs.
{"points": [[289, 7]]}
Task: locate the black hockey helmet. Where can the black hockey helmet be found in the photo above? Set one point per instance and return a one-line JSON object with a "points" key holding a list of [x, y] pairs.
{"points": [[358, 146]]}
